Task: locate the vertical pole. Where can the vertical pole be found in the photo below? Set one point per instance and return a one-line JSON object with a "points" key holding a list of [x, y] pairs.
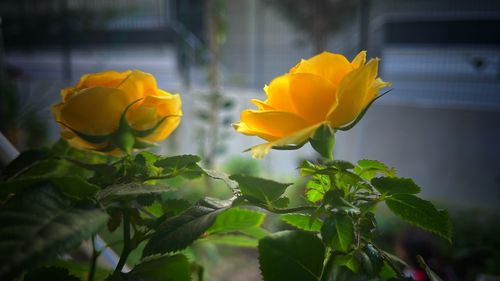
{"points": [[214, 80], [252, 46]]}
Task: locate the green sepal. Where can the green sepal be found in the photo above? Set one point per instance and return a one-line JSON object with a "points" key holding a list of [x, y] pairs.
{"points": [[94, 139], [363, 112], [147, 132], [323, 141], [140, 144], [125, 141], [123, 120], [287, 147], [124, 138]]}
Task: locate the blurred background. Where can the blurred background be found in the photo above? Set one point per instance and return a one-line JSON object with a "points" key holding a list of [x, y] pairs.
{"points": [[440, 125]]}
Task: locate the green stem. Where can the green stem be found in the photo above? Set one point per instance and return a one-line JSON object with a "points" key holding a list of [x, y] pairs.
{"points": [[327, 268], [126, 243], [93, 261]]}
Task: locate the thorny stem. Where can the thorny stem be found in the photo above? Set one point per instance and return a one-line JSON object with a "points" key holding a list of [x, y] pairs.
{"points": [[358, 233], [327, 269], [126, 243], [93, 261]]}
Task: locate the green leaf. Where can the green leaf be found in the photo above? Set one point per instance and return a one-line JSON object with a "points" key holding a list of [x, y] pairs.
{"points": [[236, 219], [317, 187], [367, 169], [349, 261], [73, 187], [166, 268], [260, 189], [143, 165], [323, 141], [50, 274], [346, 179], [307, 168], [63, 149], [78, 269], [176, 233], [232, 240], [390, 186], [255, 232], [291, 256], [368, 224], [54, 168], [39, 223], [181, 165], [23, 161], [175, 206], [302, 221], [233, 185], [314, 195], [341, 164], [420, 213], [281, 202], [431, 274], [338, 231], [386, 272], [129, 190], [336, 199]]}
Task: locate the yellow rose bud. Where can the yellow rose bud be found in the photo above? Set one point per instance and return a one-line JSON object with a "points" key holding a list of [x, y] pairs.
{"points": [[108, 110], [325, 89]]}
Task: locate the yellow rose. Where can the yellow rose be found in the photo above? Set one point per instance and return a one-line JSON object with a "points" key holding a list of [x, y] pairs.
{"points": [[112, 111], [326, 89]]}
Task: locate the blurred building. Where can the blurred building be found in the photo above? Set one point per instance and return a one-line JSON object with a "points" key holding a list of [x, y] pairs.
{"points": [[440, 125]]}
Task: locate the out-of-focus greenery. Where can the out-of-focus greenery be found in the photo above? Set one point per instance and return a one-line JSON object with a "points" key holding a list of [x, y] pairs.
{"points": [[237, 165]]}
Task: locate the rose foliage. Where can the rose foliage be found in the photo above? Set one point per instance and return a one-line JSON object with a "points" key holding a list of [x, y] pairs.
{"points": [[100, 178]]}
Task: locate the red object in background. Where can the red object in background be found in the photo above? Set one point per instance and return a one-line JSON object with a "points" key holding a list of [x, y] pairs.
{"points": [[419, 275]]}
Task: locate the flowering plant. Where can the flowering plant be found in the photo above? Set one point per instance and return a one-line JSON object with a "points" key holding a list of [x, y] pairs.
{"points": [[99, 176]]}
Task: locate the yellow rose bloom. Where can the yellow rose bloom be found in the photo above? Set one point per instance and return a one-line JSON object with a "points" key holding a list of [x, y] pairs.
{"points": [[107, 107], [325, 89]]}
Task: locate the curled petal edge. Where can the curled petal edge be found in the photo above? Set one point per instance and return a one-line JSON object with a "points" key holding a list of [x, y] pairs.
{"points": [[298, 138]]}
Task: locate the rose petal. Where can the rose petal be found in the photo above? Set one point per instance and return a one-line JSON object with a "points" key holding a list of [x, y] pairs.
{"points": [[100, 79], [352, 94], [261, 150], [272, 123], [312, 96], [278, 94], [327, 65], [241, 127], [139, 85], [262, 105], [153, 108], [359, 60], [93, 111], [166, 128]]}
